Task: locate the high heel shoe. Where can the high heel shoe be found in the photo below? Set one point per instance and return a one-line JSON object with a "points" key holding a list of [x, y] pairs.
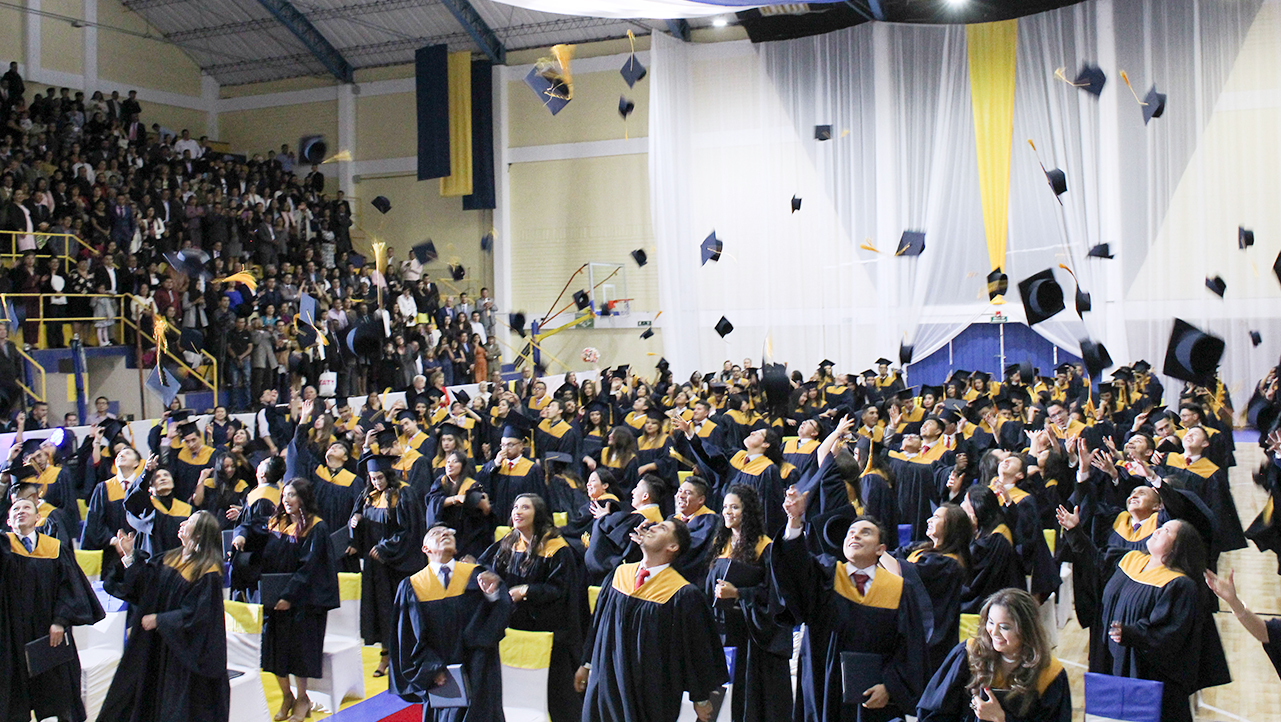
{"points": [[302, 710], [286, 709], [383, 663]]}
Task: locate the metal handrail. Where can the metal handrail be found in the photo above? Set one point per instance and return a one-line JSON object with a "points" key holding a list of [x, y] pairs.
{"points": [[43, 396], [37, 234], [213, 361]]}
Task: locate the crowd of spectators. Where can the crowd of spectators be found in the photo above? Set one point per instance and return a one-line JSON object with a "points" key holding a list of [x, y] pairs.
{"points": [[94, 201]]}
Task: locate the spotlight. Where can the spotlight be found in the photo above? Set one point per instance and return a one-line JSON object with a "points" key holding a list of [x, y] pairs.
{"points": [[719, 22], [957, 3]]}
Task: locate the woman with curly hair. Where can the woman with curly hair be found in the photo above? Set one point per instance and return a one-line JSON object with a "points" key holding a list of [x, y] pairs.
{"points": [[1004, 674], [548, 594], [746, 609]]}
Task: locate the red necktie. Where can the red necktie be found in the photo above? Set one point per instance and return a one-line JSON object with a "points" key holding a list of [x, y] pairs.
{"points": [[641, 576], [860, 581]]}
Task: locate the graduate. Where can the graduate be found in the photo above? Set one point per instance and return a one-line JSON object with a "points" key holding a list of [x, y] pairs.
{"points": [[511, 473], [593, 428], [1004, 674], [43, 593], [704, 527], [1025, 519], [1154, 621], [175, 660], [411, 466], [545, 583], [1191, 470], [800, 452], [602, 500], [293, 631], [848, 606], [411, 436], [942, 563], [652, 631], [459, 502], [322, 460], [386, 523], [449, 612], [193, 458], [553, 433], [1267, 632], [747, 612], [756, 464], [619, 455], [913, 475], [252, 521], [226, 488], [56, 484], [994, 564], [654, 449], [152, 509], [448, 438], [219, 429], [566, 491], [611, 535]]}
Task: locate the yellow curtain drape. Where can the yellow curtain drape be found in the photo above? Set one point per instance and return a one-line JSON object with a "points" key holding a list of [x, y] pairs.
{"points": [[459, 182], [992, 52]]}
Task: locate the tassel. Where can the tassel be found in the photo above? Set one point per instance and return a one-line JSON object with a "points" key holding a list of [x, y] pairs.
{"points": [[867, 246], [244, 277], [158, 330], [1061, 75], [1125, 76], [339, 157], [564, 54]]}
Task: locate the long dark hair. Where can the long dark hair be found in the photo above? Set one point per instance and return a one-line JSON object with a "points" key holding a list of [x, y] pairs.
{"points": [[306, 503], [987, 508], [206, 548], [751, 529], [774, 452], [450, 487], [544, 529], [621, 444], [851, 472], [1032, 658], [607, 478], [958, 532], [392, 492], [1187, 552], [224, 491]]}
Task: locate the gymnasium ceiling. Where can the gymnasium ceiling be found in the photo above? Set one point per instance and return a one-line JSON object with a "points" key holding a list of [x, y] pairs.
{"points": [[248, 41]]}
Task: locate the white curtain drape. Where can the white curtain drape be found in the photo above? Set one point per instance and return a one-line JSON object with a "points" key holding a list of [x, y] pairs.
{"points": [[732, 139]]}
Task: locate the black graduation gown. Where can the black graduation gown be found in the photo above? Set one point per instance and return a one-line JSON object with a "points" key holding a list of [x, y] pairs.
{"points": [[437, 626], [1167, 633], [554, 598], [647, 646], [156, 519], [994, 565], [293, 640], [396, 531], [946, 700], [611, 542], [917, 496], [504, 483], [178, 671], [580, 521], [760, 473], [105, 517], [762, 640], [186, 469], [884, 621], [1210, 482], [565, 495], [704, 525], [1024, 519], [41, 588], [58, 487], [802, 455], [561, 437], [1273, 645], [658, 452], [246, 565], [473, 529], [944, 579]]}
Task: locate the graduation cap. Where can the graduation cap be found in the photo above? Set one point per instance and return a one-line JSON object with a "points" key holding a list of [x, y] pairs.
{"points": [[307, 308], [517, 426], [959, 376], [1216, 284], [308, 336], [625, 106], [189, 262], [404, 414], [656, 414], [111, 428], [711, 248], [381, 203], [907, 393], [822, 132], [912, 429], [912, 243], [1095, 356], [553, 93], [982, 376], [723, 327], [1091, 79], [639, 256], [632, 71], [663, 364], [1026, 374], [1153, 105], [997, 284], [1101, 250], [366, 339], [1063, 368], [1255, 338], [381, 463], [796, 203], [581, 300], [1245, 238], [180, 415], [647, 333], [1057, 180], [461, 397], [904, 353], [1042, 296], [1141, 366], [516, 321], [487, 241], [312, 149], [1276, 267], [1125, 373], [1192, 355], [164, 385], [935, 391], [558, 457], [826, 363], [1083, 302], [976, 409], [425, 252], [950, 415], [457, 272], [188, 428]]}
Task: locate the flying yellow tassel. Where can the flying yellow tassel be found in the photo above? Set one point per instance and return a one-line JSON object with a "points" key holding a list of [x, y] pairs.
{"points": [[564, 54], [340, 156], [244, 277], [867, 246], [1125, 76], [380, 257], [1062, 75]]}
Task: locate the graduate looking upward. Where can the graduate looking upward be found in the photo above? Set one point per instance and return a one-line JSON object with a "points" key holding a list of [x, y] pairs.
{"points": [[652, 631], [704, 526]]}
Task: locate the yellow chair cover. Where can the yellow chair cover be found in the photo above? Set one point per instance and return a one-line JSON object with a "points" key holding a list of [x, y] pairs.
{"points": [[526, 650], [1050, 537], [592, 594], [90, 561], [348, 585], [242, 618], [560, 518], [969, 626], [501, 532]]}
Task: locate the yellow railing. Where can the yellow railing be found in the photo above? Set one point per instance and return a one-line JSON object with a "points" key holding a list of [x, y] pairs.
{"points": [[43, 396], [42, 240], [120, 319]]}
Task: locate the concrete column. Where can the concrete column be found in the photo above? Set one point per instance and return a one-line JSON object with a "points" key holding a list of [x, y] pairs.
{"points": [[347, 136]]}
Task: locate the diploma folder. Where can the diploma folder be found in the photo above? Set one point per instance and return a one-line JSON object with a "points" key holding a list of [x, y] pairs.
{"points": [[340, 540], [41, 657], [270, 587], [860, 672], [453, 693]]}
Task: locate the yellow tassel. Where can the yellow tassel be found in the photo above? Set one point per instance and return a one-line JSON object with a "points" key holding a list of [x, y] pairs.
{"points": [[1029, 142], [867, 246], [1126, 77], [380, 257], [158, 331], [244, 277], [564, 54], [339, 157], [1061, 75]]}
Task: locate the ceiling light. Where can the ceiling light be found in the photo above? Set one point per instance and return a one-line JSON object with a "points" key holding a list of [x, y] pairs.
{"points": [[956, 3], [719, 22]]}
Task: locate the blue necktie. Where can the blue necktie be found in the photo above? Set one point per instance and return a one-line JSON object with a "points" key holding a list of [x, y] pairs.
{"points": [[444, 576], [26, 542]]}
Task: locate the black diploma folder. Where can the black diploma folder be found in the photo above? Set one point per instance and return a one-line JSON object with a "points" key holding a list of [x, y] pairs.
{"points": [[270, 587], [860, 671], [41, 657], [740, 575], [453, 693], [340, 540]]}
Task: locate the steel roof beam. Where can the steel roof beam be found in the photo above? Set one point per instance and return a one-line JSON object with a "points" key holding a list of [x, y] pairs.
{"points": [[478, 29], [311, 38]]}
